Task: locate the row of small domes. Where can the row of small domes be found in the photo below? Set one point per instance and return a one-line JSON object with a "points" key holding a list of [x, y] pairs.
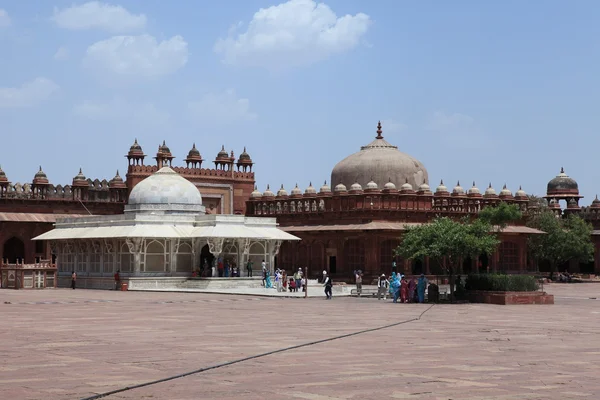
{"points": [[193, 155], [388, 187], [40, 178]]}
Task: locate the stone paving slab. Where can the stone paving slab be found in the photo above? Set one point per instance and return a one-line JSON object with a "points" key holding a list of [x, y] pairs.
{"points": [[69, 344]]}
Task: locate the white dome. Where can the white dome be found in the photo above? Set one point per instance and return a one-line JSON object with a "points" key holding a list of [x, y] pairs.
{"points": [[165, 191]]}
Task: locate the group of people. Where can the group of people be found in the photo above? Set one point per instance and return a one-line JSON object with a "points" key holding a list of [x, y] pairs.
{"points": [[283, 283], [224, 268], [399, 288]]}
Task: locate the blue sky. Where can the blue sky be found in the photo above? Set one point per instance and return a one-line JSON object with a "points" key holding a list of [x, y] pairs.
{"points": [[501, 92]]}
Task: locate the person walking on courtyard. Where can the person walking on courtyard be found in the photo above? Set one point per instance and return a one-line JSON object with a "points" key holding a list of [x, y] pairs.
{"points": [[403, 290], [395, 286], [220, 267], [284, 280], [117, 279], [328, 285], [358, 276], [268, 283], [73, 279], [227, 268], [298, 278], [421, 285], [249, 268], [278, 282], [382, 287], [264, 275]]}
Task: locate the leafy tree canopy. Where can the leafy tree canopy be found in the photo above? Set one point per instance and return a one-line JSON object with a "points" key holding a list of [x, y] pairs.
{"points": [[500, 215], [565, 239]]}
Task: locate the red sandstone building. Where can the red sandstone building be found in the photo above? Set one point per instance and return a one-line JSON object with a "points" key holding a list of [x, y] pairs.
{"points": [[378, 192], [30, 209]]}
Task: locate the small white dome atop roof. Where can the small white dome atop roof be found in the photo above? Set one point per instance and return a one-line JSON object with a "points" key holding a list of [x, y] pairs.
{"points": [[340, 187], [310, 189], [424, 187], [282, 191], [406, 187], [389, 186], [474, 189], [268, 192], [505, 191], [490, 191], [296, 191], [372, 185], [458, 189], [356, 186], [325, 188], [441, 188], [520, 193], [256, 193]]}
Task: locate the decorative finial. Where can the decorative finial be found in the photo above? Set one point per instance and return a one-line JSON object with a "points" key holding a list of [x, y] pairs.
{"points": [[81, 172], [406, 180], [232, 156], [520, 187], [504, 187], [268, 187], [40, 169], [379, 131], [310, 184], [490, 185], [562, 170], [135, 141], [457, 183], [194, 146], [164, 143], [325, 183], [117, 173], [282, 185], [244, 149], [473, 183], [222, 147], [442, 182]]}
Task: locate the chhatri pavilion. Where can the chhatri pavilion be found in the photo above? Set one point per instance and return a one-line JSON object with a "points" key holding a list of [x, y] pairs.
{"points": [[163, 232]]}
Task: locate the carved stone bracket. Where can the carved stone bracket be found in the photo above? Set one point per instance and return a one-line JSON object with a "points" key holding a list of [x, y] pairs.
{"points": [[244, 245], [96, 246], [54, 247], [215, 245], [108, 245], [276, 244], [134, 245]]}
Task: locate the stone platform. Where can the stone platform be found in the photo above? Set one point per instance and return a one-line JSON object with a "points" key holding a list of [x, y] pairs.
{"points": [[69, 344]]}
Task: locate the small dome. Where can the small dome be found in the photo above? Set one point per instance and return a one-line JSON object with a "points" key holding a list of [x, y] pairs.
{"points": [[40, 177], [135, 149], [520, 193], [562, 184], [474, 189], [340, 187], [256, 194], [296, 191], [79, 177], [424, 187], [310, 190], [222, 154], [244, 158], [165, 191], [356, 187], [268, 193], [3, 177], [325, 188], [389, 186], [194, 153], [282, 192], [116, 182], [505, 191], [553, 204], [572, 203], [596, 202], [490, 190], [406, 187], [163, 148], [458, 189], [372, 186], [441, 188]]}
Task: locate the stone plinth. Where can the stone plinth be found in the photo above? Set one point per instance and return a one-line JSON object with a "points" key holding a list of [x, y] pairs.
{"points": [[510, 298]]}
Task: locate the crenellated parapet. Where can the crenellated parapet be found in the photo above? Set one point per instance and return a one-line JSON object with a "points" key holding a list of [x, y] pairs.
{"points": [[194, 172]]}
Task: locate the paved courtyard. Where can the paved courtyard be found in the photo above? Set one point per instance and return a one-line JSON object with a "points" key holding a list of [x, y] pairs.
{"points": [[72, 344]]}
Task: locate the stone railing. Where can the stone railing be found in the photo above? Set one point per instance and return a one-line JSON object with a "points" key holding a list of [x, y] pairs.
{"points": [[194, 172]]}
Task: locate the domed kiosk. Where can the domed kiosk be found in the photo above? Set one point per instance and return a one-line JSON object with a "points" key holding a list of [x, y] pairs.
{"points": [[379, 162], [163, 233]]}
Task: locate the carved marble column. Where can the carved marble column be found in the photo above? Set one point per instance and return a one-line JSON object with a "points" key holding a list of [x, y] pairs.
{"points": [[135, 247]]}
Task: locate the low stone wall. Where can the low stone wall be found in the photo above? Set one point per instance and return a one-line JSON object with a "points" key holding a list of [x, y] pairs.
{"points": [[509, 298], [151, 283], [88, 282]]}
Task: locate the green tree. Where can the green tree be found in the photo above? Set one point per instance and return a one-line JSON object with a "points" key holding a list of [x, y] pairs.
{"points": [[565, 239], [448, 243], [500, 215]]}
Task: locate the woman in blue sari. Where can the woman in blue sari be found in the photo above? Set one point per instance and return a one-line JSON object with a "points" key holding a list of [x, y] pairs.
{"points": [[421, 285], [268, 283], [395, 286]]}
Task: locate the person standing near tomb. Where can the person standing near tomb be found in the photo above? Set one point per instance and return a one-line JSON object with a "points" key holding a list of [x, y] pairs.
{"points": [[421, 285], [249, 268], [264, 274], [298, 278], [382, 287], [220, 267], [395, 286], [117, 279], [358, 276], [403, 290], [73, 279], [328, 285]]}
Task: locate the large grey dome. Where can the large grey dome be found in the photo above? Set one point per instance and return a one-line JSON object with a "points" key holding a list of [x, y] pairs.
{"points": [[165, 191], [380, 162]]}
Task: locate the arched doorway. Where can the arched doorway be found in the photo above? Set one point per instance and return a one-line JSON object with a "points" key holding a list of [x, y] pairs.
{"points": [[484, 263], [14, 249], [417, 267], [206, 261], [467, 266]]}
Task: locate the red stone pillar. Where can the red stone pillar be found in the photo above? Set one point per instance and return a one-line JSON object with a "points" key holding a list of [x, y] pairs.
{"points": [[426, 266]]}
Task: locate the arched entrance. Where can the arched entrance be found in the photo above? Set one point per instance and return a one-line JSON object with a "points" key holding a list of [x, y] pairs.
{"points": [[484, 263], [417, 267], [14, 249], [206, 261], [467, 266]]}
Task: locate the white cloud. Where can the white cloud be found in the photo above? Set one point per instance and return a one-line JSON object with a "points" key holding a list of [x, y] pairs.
{"points": [[4, 19], [224, 107], [442, 121], [392, 126], [61, 54], [298, 32], [137, 55], [27, 95], [146, 114], [97, 15]]}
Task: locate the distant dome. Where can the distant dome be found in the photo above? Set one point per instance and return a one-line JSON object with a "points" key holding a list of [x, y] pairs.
{"points": [[296, 191], [458, 189], [424, 188], [325, 188], [406, 187], [136, 149], [310, 190], [282, 192], [222, 154], [245, 157], [520, 193], [596, 202], [356, 187], [268, 192], [490, 191], [441, 188], [340, 187], [562, 184], [163, 148], [3, 177], [505, 191], [379, 161], [165, 191], [474, 189], [372, 186], [389, 186], [40, 177], [116, 182], [256, 194], [80, 179]]}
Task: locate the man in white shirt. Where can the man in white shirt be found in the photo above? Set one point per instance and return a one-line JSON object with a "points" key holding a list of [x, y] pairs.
{"points": [[382, 287]]}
